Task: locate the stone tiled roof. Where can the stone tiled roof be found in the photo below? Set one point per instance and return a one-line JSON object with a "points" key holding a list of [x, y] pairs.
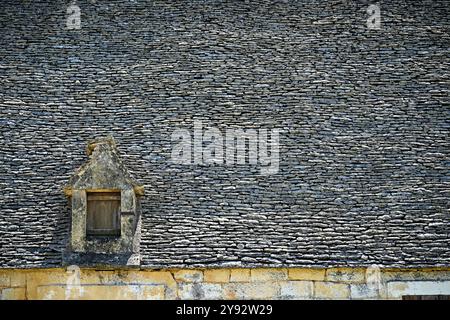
{"points": [[364, 156]]}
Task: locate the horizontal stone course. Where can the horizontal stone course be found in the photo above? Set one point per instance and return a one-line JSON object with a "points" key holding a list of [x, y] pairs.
{"points": [[306, 274], [348, 275], [217, 275], [210, 284], [268, 274]]}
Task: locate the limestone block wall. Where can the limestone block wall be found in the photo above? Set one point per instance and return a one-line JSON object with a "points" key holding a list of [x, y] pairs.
{"points": [[273, 283]]}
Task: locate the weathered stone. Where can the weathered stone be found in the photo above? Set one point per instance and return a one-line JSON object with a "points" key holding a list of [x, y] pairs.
{"points": [[348, 275], [159, 277], [78, 230], [128, 201], [416, 275], [155, 277], [44, 277], [148, 284], [5, 279], [102, 292], [13, 294], [364, 291], [363, 173], [331, 290], [240, 275], [253, 290], [104, 172], [362, 178], [268, 274], [202, 291], [188, 275], [18, 279], [397, 289], [216, 275], [296, 289], [306, 274]]}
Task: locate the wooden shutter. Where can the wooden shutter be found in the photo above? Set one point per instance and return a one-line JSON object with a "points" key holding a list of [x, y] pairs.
{"points": [[103, 213]]}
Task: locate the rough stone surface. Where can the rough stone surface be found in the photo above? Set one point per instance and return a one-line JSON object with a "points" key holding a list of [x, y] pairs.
{"points": [[17, 280], [191, 291], [217, 275], [398, 288], [5, 279], [252, 290], [331, 290], [268, 274], [13, 294], [296, 290], [364, 149], [59, 283], [306, 274], [364, 291], [188, 275], [351, 275], [103, 171], [240, 275], [111, 292]]}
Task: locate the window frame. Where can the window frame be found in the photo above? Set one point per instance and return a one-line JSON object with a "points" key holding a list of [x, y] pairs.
{"points": [[103, 195]]}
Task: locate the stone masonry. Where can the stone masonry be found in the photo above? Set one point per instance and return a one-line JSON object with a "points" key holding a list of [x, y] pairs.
{"points": [[292, 283], [363, 176]]}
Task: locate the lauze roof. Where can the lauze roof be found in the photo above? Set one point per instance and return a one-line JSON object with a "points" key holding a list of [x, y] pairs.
{"points": [[363, 173]]}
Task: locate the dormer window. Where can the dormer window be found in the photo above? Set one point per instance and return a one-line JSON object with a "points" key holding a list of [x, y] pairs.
{"points": [[105, 209], [103, 214]]}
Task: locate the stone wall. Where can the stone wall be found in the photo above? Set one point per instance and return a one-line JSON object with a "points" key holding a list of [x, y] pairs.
{"points": [[275, 283]]}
